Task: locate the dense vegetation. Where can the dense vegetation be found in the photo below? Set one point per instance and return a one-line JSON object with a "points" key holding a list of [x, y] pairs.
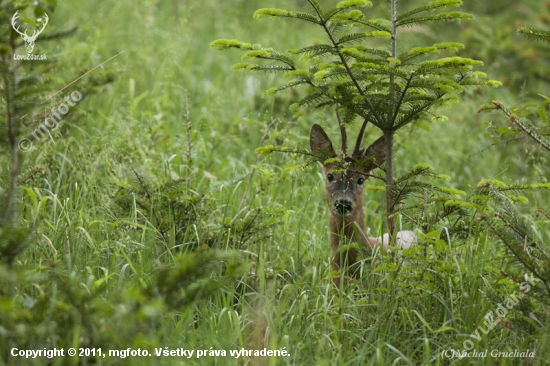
{"points": [[144, 218]]}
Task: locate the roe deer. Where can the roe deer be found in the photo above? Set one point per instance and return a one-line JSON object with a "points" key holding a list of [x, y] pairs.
{"points": [[344, 195]]}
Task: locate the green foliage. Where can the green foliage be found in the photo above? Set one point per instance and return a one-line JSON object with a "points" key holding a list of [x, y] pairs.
{"points": [[56, 307], [254, 227], [92, 272], [535, 33], [25, 89], [526, 122], [46, 304], [386, 89], [526, 241], [195, 277], [225, 44], [524, 235], [428, 205], [171, 207], [506, 49]]}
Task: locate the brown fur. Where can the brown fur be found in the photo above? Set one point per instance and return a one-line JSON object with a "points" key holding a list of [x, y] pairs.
{"points": [[343, 186]]}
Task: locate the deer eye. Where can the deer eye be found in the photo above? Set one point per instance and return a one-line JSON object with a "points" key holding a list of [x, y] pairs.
{"points": [[360, 181], [330, 177]]}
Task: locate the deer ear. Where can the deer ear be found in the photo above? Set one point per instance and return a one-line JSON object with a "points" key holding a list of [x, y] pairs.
{"points": [[375, 154], [319, 142]]}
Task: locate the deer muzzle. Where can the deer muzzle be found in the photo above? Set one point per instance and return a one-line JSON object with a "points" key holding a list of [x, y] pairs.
{"points": [[343, 207]]}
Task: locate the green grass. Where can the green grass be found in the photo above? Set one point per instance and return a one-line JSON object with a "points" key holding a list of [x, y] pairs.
{"points": [[400, 314]]}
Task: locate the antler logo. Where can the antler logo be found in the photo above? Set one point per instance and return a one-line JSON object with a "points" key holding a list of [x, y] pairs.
{"points": [[29, 40]]}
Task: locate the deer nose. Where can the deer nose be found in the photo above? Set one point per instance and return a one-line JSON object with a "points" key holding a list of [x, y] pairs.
{"points": [[343, 207]]}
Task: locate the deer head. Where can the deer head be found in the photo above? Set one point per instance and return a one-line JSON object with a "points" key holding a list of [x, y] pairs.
{"points": [[344, 194], [344, 187], [29, 40]]}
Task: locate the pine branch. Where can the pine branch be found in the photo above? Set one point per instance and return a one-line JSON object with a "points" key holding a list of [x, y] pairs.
{"points": [[316, 50], [371, 68], [400, 101], [434, 49], [344, 62], [280, 13], [515, 120], [264, 150], [497, 143], [12, 122], [289, 85], [513, 222], [143, 185], [359, 140], [269, 54], [343, 133], [355, 37], [541, 211], [516, 187], [453, 16], [372, 24], [512, 248], [431, 7], [535, 34], [316, 7], [345, 5], [57, 35], [253, 67], [414, 114], [187, 127], [375, 51], [253, 171]]}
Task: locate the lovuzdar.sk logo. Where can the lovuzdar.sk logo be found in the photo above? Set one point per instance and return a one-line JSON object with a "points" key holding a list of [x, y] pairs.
{"points": [[29, 40]]}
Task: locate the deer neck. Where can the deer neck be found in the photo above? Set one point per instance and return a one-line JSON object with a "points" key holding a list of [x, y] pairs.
{"points": [[349, 228]]}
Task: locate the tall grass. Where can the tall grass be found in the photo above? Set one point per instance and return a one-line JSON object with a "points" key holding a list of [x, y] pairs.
{"points": [[406, 313]]}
